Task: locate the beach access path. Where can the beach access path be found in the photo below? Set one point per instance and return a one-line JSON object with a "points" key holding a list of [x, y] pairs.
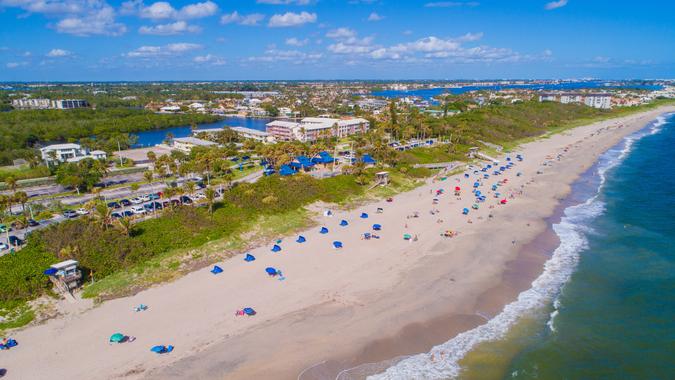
{"points": [[343, 306]]}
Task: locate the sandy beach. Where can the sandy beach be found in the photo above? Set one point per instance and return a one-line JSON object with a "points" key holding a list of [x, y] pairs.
{"points": [[370, 301]]}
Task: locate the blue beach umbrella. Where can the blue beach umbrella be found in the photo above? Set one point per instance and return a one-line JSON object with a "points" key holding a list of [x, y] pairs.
{"points": [[377, 227], [301, 239], [337, 244], [465, 211], [344, 223], [364, 215], [271, 271], [323, 230], [216, 269], [249, 311], [249, 257], [276, 248]]}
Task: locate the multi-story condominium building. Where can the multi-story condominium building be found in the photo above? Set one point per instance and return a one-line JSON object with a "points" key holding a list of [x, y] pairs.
{"points": [[313, 128], [603, 101], [30, 103]]}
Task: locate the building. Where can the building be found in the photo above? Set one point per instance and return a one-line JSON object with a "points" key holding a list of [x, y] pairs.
{"points": [[602, 101], [68, 153], [60, 104], [313, 128], [547, 98], [571, 98], [187, 143], [65, 276], [253, 134], [170, 109]]}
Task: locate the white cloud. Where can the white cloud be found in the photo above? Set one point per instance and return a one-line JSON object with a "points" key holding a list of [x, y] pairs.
{"points": [[450, 4], [14, 65], [291, 19], [347, 42], [97, 22], [555, 4], [166, 50], [56, 53], [375, 17], [296, 42], [340, 33], [249, 20], [285, 2], [178, 27], [209, 59], [163, 10], [295, 56]]}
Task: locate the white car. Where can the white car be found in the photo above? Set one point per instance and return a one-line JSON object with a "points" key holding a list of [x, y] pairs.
{"points": [[81, 211], [138, 210], [136, 201], [199, 196], [144, 198]]}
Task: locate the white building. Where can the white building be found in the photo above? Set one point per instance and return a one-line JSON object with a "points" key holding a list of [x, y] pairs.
{"points": [[603, 101], [313, 128], [571, 98], [253, 134], [68, 153], [170, 109], [60, 104], [187, 143], [547, 98]]}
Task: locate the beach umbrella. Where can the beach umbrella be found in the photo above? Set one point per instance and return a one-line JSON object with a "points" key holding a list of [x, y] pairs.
{"points": [[216, 269], [364, 215], [503, 201], [475, 206], [344, 223], [407, 237], [457, 188], [466, 175], [271, 271], [249, 257], [366, 235], [377, 227], [476, 184], [465, 211], [508, 158], [337, 244], [116, 338], [301, 239], [249, 311], [323, 230], [276, 248], [161, 349]]}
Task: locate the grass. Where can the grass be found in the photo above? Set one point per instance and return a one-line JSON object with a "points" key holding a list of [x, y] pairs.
{"points": [[14, 315], [174, 264]]}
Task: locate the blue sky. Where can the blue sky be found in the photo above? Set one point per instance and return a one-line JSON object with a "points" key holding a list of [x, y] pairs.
{"points": [[81, 40]]}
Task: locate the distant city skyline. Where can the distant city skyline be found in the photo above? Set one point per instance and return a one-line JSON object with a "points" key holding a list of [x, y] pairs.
{"points": [[99, 40]]}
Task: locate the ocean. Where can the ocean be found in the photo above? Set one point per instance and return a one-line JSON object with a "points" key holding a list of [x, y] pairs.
{"points": [[604, 306]]}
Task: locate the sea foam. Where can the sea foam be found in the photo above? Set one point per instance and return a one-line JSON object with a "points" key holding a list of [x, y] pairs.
{"points": [[442, 361]]}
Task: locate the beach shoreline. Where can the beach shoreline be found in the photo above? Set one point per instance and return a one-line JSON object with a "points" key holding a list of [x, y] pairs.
{"points": [[341, 307]]}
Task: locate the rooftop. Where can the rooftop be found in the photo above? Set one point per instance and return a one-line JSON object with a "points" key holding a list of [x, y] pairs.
{"points": [[194, 141]]}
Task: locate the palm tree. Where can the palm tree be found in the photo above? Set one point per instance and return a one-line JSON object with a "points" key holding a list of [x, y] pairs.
{"points": [[124, 225], [148, 176], [21, 197], [11, 183], [189, 187], [210, 199], [102, 213]]}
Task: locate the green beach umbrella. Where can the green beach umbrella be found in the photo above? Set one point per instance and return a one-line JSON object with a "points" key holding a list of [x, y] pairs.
{"points": [[407, 236], [116, 338]]}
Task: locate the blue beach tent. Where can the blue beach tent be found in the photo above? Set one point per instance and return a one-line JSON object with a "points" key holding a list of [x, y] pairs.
{"points": [[271, 271], [377, 227], [301, 239], [216, 269], [337, 244], [276, 248], [344, 223], [249, 257], [367, 159], [465, 211], [476, 184], [323, 230], [249, 311], [364, 215], [161, 349], [286, 170]]}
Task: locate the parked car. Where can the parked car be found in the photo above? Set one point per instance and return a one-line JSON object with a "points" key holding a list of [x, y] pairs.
{"points": [[33, 223], [3, 246], [70, 214], [136, 200], [144, 198], [125, 202], [138, 210], [201, 185], [152, 206], [128, 213], [114, 205], [15, 241], [152, 197], [184, 199], [82, 211], [175, 202], [117, 215], [199, 196]]}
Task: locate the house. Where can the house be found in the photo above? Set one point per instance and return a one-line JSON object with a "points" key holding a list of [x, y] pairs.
{"points": [[169, 109], [69, 152], [65, 275], [187, 143]]}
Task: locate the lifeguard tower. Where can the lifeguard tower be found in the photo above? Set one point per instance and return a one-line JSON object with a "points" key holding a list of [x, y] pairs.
{"points": [[65, 276], [382, 178]]}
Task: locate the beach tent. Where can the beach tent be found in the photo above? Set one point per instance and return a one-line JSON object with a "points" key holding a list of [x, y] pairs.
{"points": [[323, 230], [476, 184], [161, 349], [271, 271], [276, 248], [116, 338], [364, 215], [377, 227], [323, 158], [216, 269], [337, 244], [249, 311], [367, 159], [300, 239], [465, 211], [249, 257], [344, 223], [286, 170]]}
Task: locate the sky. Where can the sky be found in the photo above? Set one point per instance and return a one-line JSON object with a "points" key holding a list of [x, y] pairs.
{"points": [[106, 40]]}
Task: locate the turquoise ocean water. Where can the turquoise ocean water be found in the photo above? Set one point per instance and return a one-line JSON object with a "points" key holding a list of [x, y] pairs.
{"points": [[604, 306]]}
